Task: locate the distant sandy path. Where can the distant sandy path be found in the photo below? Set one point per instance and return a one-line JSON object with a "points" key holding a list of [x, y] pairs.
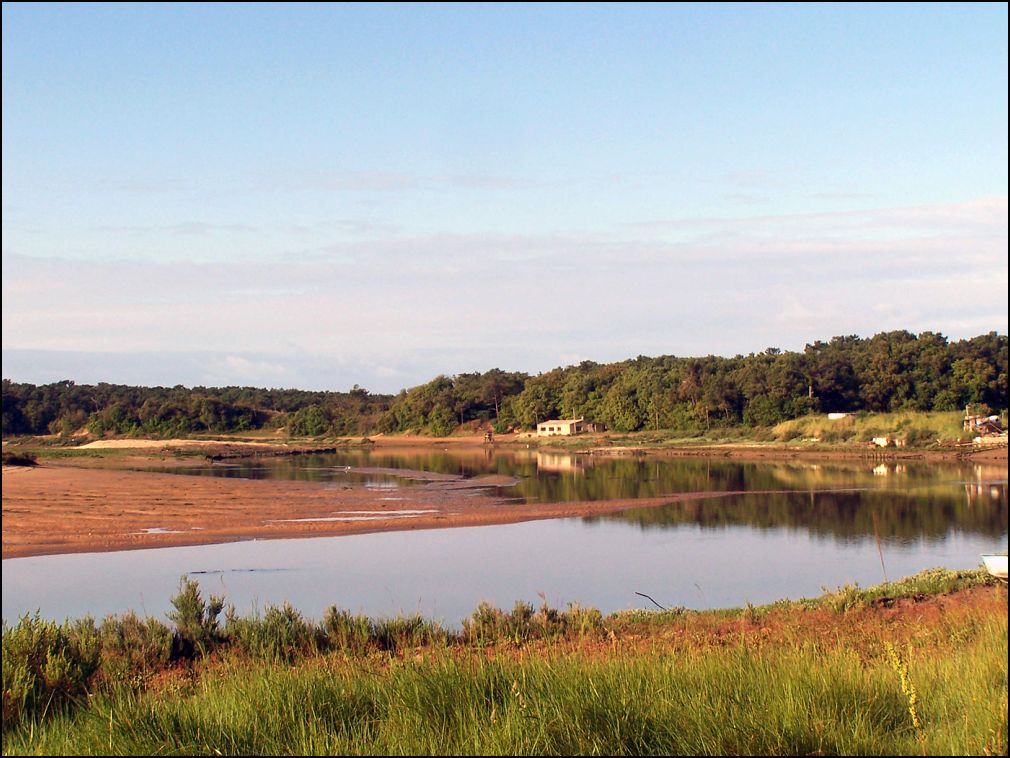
{"points": [[60, 509]]}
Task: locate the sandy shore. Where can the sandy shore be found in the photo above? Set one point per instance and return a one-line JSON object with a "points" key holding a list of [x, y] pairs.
{"points": [[89, 504], [60, 509]]}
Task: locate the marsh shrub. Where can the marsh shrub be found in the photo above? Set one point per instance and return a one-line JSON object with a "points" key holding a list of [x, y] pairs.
{"points": [[281, 634], [552, 623], [84, 637], [43, 667], [483, 624], [404, 632], [133, 648], [196, 626], [585, 621], [346, 632], [488, 624]]}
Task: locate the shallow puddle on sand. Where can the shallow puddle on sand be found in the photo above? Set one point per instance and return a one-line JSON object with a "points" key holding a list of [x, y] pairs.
{"points": [[383, 516]]}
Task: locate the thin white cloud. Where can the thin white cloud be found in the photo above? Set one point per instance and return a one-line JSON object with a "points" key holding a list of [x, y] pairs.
{"points": [[182, 228], [315, 180], [401, 310], [240, 370], [986, 213], [485, 182]]}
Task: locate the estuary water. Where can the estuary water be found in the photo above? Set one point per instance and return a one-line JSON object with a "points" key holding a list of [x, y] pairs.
{"points": [[799, 529]]}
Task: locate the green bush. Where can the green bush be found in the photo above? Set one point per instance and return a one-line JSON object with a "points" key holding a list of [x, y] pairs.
{"points": [[196, 629], [343, 631], [281, 634], [406, 632], [43, 667], [133, 648], [489, 625], [585, 621], [441, 422]]}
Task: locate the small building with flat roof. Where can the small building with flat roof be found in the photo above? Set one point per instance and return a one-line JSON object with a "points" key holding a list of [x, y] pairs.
{"points": [[567, 427]]}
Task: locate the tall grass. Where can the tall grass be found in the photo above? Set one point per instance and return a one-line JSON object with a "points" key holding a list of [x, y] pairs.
{"points": [[914, 428], [798, 700], [519, 682]]}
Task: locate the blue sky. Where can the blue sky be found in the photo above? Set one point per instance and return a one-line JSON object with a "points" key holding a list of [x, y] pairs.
{"points": [[327, 195]]}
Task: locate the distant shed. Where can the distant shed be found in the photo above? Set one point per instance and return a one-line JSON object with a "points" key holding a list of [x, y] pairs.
{"points": [[567, 427]]}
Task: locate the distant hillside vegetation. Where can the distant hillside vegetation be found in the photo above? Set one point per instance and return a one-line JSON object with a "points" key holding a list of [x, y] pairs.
{"points": [[891, 371], [65, 408]]}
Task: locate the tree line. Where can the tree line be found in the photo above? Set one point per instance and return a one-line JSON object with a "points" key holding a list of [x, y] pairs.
{"points": [[890, 371], [67, 408]]}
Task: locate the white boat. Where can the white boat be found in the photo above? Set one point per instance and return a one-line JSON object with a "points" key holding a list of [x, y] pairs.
{"points": [[996, 565]]}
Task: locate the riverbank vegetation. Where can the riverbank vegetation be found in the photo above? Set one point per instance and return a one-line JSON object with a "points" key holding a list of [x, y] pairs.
{"points": [[890, 372], [917, 666]]}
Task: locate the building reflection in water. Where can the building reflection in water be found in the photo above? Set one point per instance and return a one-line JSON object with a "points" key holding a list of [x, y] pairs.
{"points": [[561, 463]]}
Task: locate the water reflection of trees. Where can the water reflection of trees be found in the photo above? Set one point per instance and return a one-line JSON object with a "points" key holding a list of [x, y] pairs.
{"points": [[902, 501], [610, 479], [842, 515]]}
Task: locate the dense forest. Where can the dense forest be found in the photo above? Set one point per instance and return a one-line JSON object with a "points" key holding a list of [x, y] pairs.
{"points": [[887, 372], [66, 408]]}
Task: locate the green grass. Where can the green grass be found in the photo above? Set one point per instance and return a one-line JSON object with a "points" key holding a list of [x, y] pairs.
{"points": [[929, 582], [834, 674], [59, 453], [917, 428], [740, 702]]}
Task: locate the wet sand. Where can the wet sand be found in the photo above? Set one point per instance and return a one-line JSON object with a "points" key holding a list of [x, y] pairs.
{"points": [[92, 504], [50, 509]]}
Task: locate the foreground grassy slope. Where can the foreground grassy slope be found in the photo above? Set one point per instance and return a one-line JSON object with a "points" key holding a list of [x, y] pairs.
{"points": [[743, 701], [908, 668]]}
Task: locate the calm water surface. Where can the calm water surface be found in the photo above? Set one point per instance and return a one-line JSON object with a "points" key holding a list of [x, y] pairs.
{"points": [[801, 528], [548, 476]]}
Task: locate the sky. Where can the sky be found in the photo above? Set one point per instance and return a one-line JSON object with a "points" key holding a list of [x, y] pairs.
{"points": [[328, 195]]}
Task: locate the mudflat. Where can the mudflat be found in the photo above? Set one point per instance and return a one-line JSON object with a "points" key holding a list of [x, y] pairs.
{"points": [[61, 509], [98, 504]]}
